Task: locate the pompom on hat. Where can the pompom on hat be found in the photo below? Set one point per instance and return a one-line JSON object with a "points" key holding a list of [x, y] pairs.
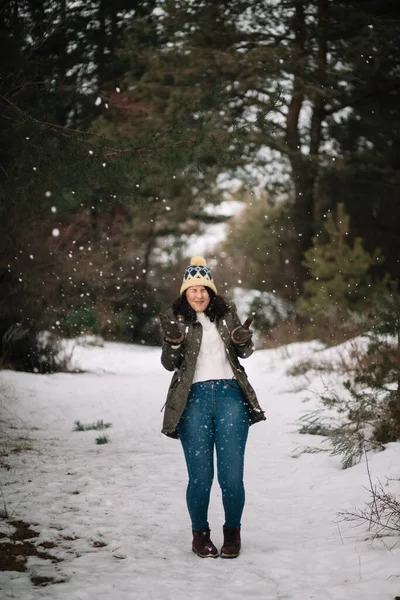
{"points": [[197, 273]]}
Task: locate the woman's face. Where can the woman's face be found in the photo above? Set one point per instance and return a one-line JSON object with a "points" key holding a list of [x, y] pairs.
{"points": [[198, 298]]}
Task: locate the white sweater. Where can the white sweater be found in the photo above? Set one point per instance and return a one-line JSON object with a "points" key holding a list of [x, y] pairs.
{"points": [[212, 361]]}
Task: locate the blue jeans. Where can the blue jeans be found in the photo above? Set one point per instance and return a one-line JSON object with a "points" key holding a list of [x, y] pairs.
{"points": [[217, 415]]}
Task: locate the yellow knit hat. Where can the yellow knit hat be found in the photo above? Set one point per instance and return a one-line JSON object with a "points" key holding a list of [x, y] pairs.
{"points": [[197, 273]]}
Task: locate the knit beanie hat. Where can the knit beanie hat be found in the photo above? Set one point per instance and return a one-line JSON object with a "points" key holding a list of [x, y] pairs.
{"points": [[197, 273]]}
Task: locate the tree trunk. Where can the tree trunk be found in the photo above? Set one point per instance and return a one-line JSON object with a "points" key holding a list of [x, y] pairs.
{"points": [[305, 168], [303, 201], [319, 113]]}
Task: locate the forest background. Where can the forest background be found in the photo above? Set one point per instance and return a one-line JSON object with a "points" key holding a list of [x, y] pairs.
{"points": [[128, 126]]}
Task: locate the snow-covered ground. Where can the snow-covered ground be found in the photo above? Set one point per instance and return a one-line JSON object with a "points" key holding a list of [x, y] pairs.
{"points": [[129, 494]]}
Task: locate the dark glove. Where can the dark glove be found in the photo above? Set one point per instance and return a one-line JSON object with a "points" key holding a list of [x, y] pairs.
{"points": [[171, 330], [242, 335]]}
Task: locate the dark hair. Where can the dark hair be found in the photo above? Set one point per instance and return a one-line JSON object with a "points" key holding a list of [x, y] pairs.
{"points": [[215, 310]]}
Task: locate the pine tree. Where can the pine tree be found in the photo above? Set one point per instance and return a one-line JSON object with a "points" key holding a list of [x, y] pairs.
{"points": [[381, 372], [258, 247], [366, 414], [288, 77], [338, 271], [55, 171]]}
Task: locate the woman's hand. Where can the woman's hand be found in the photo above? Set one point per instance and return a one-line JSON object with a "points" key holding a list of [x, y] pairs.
{"points": [[171, 330], [242, 335]]}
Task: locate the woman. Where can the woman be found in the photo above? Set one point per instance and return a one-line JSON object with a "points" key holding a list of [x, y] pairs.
{"points": [[210, 401]]}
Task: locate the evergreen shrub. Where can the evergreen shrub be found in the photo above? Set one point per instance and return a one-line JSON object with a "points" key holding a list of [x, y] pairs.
{"points": [[366, 415], [339, 285], [23, 349], [82, 319]]}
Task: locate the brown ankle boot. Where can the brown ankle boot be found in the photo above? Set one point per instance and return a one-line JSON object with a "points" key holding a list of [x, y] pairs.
{"points": [[232, 543], [202, 545]]}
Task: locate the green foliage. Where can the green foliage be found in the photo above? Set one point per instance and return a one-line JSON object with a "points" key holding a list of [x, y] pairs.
{"points": [[191, 94], [367, 414], [81, 320], [347, 421], [338, 271], [23, 349], [365, 174], [211, 66], [380, 371], [138, 315], [268, 311], [259, 246], [100, 176]]}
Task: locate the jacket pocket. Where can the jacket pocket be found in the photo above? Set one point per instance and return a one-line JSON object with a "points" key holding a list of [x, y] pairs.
{"points": [[175, 379]]}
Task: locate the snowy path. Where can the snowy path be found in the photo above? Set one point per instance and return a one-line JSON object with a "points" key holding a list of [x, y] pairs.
{"points": [[129, 493]]}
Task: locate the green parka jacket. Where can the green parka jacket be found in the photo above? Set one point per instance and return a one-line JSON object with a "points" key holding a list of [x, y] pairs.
{"points": [[182, 360]]}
